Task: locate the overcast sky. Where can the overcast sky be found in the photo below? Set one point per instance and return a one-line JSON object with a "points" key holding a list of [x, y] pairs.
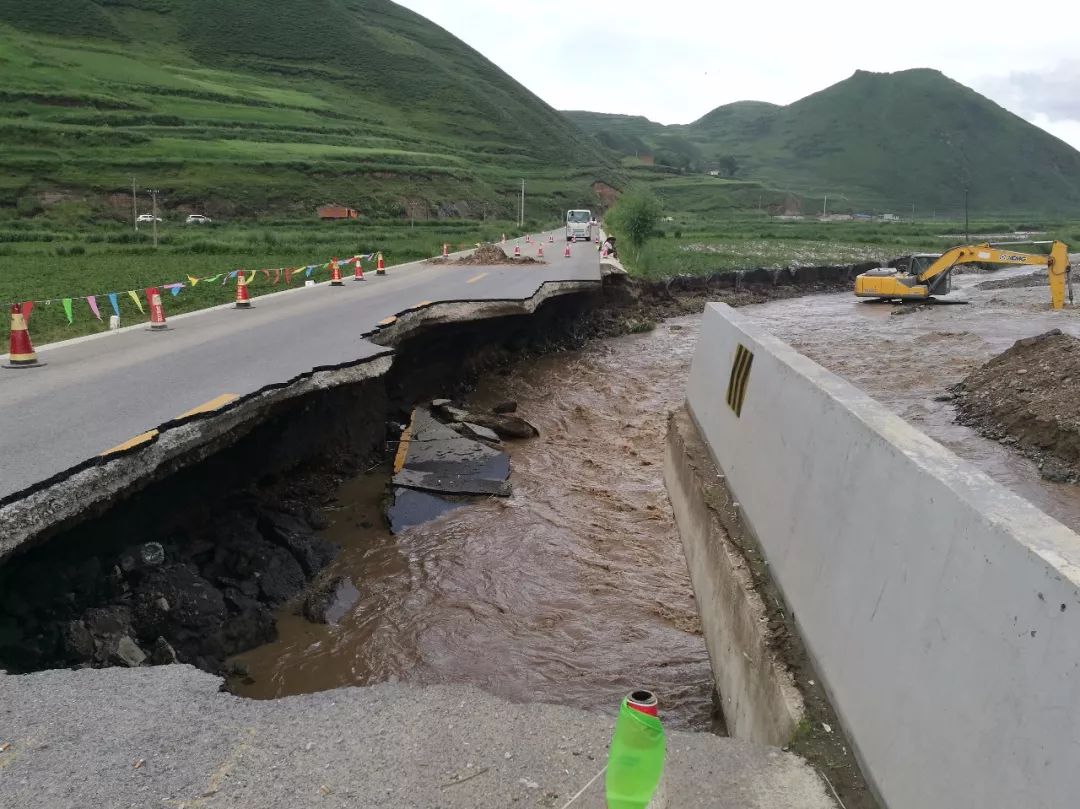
{"points": [[676, 60]]}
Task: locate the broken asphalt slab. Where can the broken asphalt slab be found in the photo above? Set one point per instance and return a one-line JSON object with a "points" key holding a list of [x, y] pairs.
{"points": [[435, 463]]}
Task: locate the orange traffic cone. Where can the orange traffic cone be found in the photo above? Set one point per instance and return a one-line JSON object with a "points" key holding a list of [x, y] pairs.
{"points": [[20, 351], [335, 274], [445, 250], [517, 251], [157, 311], [380, 265], [566, 252], [243, 300], [359, 275]]}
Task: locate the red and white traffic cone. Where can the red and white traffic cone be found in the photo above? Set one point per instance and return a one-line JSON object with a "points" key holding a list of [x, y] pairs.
{"points": [[359, 274], [20, 351], [540, 251], [445, 250], [157, 311], [551, 238], [566, 252], [335, 274], [517, 251], [596, 237], [380, 265], [528, 238], [504, 239], [603, 251], [243, 300]]}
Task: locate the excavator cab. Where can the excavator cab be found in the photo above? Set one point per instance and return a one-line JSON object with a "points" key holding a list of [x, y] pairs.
{"points": [[886, 283]]}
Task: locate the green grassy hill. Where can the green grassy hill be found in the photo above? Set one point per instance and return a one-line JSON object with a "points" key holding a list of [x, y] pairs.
{"points": [[880, 140], [244, 107]]}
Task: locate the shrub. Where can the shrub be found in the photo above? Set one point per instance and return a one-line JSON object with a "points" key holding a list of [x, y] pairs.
{"points": [[635, 215]]}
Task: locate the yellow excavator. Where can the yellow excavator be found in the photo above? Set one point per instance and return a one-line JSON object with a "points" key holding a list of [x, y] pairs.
{"points": [[929, 275]]}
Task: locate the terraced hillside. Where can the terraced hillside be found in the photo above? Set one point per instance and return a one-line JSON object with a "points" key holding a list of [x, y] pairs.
{"points": [[241, 107]]}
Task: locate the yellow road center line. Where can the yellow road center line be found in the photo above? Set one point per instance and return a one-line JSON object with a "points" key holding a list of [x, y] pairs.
{"points": [[137, 441], [402, 450], [211, 406], [422, 304], [476, 278], [388, 321]]}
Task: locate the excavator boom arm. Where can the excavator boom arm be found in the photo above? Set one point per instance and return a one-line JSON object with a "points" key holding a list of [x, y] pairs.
{"points": [[982, 253]]}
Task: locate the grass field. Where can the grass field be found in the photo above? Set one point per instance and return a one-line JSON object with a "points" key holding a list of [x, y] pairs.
{"points": [[49, 264], [695, 245]]}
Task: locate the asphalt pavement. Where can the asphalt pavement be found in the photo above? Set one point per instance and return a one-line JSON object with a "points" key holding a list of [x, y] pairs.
{"points": [[98, 392]]}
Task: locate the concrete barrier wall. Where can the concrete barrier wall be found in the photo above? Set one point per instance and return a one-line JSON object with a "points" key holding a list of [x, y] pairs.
{"points": [[941, 610]]}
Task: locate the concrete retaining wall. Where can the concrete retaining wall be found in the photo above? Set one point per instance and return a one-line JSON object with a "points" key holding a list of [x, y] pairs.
{"points": [[759, 697], [942, 611]]}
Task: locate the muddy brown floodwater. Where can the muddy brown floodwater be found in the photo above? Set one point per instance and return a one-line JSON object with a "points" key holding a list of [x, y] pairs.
{"points": [[573, 591]]}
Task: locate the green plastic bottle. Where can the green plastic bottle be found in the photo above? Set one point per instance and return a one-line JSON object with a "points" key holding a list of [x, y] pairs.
{"points": [[636, 759]]}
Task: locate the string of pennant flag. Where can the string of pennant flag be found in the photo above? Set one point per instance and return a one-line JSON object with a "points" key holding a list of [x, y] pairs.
{"points": [[274, 276]]}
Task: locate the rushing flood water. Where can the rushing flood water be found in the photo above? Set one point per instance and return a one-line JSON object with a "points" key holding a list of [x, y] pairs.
{"points": [[573, 591], [908, 360]]}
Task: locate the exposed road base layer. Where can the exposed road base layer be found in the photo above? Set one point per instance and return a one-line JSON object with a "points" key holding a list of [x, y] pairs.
{"points": [[168, 737]]}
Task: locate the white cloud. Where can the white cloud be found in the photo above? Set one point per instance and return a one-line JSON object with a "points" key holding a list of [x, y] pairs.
{"points": [[675, 61]]}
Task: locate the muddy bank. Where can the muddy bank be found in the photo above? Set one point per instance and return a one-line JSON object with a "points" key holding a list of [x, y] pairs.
{"points": [[1025, 398]]}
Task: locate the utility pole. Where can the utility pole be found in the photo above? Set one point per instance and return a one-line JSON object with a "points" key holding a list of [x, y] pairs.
{"points": [[521, 218], [967, 217], [153, 195], [913, 213], [825, 207], [134, 206]]}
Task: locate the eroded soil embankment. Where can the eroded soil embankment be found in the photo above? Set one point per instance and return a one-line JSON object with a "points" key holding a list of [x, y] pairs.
{"points": [[1025, 397], [192, 567]]}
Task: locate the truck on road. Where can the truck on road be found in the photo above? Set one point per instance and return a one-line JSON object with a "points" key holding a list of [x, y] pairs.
{"points": [[579, 225]]}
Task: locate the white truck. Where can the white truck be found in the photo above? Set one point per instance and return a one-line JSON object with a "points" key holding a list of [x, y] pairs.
{"points": [[579, 225]]}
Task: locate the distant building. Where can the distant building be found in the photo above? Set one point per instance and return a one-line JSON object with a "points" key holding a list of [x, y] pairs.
{"points": [[337, 212], [714, 173], [647, 159], [836, 217], [889, 217]]}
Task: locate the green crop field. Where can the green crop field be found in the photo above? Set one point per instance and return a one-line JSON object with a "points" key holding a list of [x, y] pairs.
{"points": [[692, 244], [49, 265]]}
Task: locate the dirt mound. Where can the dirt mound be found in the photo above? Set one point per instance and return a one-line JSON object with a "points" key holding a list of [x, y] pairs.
{"points": [[1035, 279], [486, 255], [1026, 397]]}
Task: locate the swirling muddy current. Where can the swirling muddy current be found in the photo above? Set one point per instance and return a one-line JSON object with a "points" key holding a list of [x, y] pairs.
{"points": [[572, 591]]}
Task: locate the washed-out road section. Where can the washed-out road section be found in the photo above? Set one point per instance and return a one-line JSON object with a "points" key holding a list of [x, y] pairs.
{"points": [[101, 392]]}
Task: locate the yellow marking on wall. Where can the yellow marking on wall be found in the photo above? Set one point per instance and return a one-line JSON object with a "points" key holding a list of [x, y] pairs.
{"points": [[476, 278], [388, 321], [137, 441], [211, 406], [740, 378], [403, 447]]}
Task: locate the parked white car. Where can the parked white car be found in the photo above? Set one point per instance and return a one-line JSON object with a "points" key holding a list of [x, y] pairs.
{"points": [[198, 219], [146, 217]]}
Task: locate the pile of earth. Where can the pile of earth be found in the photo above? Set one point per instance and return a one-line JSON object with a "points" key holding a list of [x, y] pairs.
{"points": [[486, 255], [1035, 279], [1026, 397]]}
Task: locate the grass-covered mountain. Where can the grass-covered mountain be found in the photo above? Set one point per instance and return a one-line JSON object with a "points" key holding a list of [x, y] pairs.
{"points": [[878, 139], [252, 106]]}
